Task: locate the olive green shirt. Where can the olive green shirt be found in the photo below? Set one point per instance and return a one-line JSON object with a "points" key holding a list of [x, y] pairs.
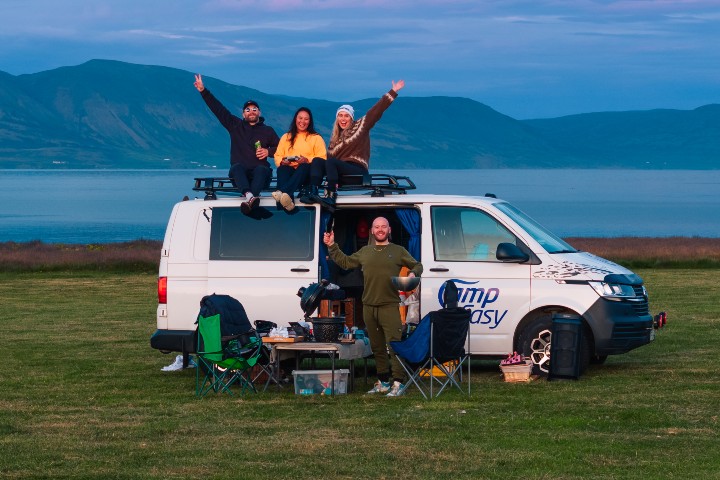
{"points": [[379, 264]]}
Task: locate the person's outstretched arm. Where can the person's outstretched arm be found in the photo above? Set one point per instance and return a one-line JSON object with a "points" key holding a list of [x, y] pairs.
{"points": [[226, 118], [375, 113]]}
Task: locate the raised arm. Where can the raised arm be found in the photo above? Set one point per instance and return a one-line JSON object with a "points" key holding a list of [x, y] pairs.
{"points": [[376, 111], [199, 83]]}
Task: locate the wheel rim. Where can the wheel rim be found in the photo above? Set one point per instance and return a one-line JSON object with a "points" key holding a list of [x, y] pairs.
{"points": [[540, 350]]}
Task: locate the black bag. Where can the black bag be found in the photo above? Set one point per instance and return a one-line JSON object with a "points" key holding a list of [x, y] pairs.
{"points": [[233, 319], [263, 327]]}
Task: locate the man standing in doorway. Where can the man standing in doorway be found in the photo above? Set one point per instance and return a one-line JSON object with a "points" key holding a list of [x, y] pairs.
{"points": [[251, 143], [380, 262]]}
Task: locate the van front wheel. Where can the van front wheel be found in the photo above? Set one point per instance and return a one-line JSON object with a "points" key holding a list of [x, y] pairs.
{"points": [[534, 343]]}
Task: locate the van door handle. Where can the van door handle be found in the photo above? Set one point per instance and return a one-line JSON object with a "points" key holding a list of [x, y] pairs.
{"points": [[300, 269], [439, 269]]}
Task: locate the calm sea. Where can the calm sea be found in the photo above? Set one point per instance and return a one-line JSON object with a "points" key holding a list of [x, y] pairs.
{"points": [[90, 206]]}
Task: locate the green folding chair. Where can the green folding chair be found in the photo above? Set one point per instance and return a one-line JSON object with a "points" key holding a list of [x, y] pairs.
{"points": [[224, 361]]}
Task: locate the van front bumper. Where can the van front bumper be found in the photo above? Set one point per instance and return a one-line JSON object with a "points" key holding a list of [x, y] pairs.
{"points": [[619, 327], [174, 341]]}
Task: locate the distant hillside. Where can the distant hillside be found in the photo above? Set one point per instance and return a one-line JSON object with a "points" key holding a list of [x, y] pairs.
{"points": [[638, 139], [108, 114]]}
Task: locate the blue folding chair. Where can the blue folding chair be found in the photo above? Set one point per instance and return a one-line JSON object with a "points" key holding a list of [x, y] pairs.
{"points": [[436, 351]]}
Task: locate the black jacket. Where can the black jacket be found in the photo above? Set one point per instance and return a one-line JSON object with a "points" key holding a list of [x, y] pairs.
{"points": [[243, 135]]}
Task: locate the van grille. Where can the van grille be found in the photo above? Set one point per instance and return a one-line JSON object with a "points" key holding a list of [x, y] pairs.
{"points": [[640, 308]]}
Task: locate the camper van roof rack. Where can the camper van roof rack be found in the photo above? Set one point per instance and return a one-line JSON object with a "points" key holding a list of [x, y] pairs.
{"points": [[376, 184]]}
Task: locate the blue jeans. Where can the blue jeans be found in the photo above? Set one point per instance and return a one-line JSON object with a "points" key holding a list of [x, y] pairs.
{"points": [[250, 179], [290, 179]]}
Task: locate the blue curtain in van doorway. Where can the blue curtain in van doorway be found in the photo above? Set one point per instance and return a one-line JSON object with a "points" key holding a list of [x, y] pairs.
{"points": [[322, 261], [410, 219]]}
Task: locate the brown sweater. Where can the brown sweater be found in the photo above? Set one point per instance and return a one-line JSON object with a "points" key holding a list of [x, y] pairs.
{"points": [[379, 264], [353, 143]]}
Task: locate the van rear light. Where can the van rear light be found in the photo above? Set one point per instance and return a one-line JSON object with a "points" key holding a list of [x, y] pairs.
{"points": [[162, 290]]}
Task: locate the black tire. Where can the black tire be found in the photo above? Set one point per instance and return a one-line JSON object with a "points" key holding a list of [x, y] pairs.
{"points": [[598, 359], [535, 340]]}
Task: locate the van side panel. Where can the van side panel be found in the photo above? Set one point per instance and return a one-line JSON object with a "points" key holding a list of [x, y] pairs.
{"points": [[264, 261], [187, 269], [497, 293]]}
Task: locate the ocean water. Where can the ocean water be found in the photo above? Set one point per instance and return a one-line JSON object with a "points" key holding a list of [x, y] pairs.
{"points": [[99, 206]]}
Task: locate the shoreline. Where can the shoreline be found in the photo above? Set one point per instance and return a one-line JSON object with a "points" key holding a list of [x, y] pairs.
{"points": [[144, 255]]}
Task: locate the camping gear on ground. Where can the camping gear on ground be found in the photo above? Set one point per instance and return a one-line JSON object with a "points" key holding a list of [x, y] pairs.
{"points": [[441, 336], [227, 346], [516, 368], [310, 382]]}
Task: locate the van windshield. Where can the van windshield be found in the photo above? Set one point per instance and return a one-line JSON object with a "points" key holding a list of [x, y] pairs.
{"points": [[549, 241]]}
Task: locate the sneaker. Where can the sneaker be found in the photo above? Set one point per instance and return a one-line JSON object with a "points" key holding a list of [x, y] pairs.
{"points": [[247, 205], [175, 366], [380, 387], [397, 389], [276, 195], [287, 202]]}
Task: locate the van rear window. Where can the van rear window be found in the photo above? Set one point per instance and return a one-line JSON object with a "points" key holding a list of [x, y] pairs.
{"points": [[265, 236]]}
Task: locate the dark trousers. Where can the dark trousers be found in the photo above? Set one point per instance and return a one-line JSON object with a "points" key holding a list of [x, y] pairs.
{"points": [[333, 168], [383, 326], [250, 179], [290, 179]]}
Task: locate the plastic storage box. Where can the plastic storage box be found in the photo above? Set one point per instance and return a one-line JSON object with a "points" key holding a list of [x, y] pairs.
{"points": [[313, 382]]}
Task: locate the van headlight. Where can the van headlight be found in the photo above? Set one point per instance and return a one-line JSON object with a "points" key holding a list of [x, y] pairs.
{"points": [[613, 291]]}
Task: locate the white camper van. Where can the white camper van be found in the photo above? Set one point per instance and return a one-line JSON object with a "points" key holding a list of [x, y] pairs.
{"points": [[512, 273]]}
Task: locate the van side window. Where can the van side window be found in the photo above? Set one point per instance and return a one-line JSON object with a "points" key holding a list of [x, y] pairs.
{"points": [[280, 236], [467, 234]]}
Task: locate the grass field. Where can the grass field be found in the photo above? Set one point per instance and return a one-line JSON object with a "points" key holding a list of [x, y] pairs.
{"points": [[82, 396]]}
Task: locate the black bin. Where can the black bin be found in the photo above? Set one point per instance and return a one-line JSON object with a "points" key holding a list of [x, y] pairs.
{"points": [[565, 347]]}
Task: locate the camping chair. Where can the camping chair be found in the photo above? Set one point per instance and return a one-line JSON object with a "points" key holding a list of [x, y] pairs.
{"points": [[434, 354], [224, 361]]}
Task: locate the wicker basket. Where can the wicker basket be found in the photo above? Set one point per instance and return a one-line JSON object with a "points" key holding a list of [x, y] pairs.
{"points": [[517, 373]]}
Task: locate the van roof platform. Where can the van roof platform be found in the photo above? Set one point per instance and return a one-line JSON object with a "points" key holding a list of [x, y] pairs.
{"points": [[375, 184]]}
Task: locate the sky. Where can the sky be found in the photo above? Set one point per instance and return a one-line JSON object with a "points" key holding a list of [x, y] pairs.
{"points": [[523, 58]]}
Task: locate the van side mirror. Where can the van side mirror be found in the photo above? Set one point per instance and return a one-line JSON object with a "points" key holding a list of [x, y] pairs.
{"points": [[509, 252]]}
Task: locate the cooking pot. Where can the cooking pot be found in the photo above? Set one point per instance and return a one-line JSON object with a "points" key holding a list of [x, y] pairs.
{"points": [[406, 284]]}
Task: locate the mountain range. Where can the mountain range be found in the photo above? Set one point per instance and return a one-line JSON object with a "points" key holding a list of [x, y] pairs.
{"points": [[110, 114]]}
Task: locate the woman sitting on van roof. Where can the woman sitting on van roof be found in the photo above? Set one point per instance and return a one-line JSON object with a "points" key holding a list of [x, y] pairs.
{"points": [[349, 151], [297, 148]]}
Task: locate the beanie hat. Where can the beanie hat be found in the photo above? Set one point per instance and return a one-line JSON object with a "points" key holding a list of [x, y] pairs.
{"points": [[347, 109]]}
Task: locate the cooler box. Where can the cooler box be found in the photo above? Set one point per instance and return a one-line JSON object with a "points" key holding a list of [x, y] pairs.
{"points": [[312, 382]]}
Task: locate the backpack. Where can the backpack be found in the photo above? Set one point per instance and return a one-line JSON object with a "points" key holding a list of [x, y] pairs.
{"points": [[233, 319]]}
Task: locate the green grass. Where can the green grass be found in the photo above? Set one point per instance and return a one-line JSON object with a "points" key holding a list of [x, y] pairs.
{"points": [[82, 395]]}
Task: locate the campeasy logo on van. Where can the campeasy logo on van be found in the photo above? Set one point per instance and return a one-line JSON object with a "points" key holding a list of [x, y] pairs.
{"points": [[479, 301]]}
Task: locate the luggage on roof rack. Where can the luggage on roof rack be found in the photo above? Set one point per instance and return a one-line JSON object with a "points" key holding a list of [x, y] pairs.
{"points": [[377, 184]]}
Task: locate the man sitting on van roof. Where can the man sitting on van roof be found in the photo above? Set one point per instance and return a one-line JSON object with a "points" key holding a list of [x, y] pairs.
{"points": [[251, 143]]}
